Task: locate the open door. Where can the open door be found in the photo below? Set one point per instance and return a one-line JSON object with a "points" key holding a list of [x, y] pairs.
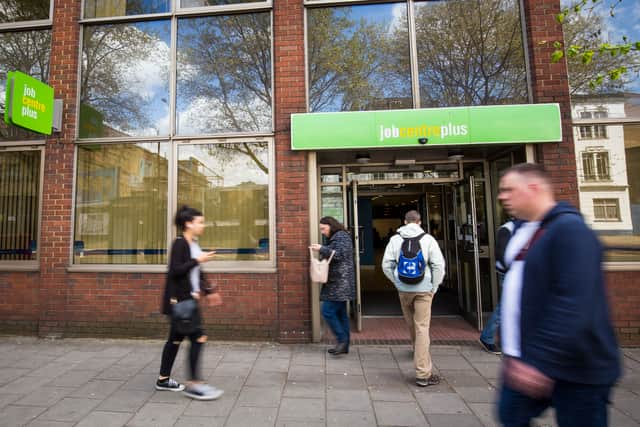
{"points": [[469, 250], [355, 230]]}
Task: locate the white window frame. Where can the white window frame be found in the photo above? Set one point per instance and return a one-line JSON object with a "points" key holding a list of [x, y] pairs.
{"points": [[592, 155], [605, 203]]}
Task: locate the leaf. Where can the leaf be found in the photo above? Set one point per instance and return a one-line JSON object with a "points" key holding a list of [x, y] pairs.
{"points": [[557, 44], [557, 55], [560, 18], [587, 56]]}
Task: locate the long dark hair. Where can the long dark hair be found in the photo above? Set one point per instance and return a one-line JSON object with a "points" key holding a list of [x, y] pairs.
{"points": [[334, 224], [185, 214]]}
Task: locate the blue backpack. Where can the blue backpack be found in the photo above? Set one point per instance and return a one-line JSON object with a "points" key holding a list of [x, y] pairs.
{"points": [[411, 263]]}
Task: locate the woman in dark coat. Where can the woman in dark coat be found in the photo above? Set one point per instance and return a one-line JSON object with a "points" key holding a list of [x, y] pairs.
{"points": [[340, 286]]}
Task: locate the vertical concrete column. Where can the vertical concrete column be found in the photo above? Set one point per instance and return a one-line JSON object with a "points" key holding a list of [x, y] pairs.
{"points": [[551, 84], [294, 324], [56, 236]]}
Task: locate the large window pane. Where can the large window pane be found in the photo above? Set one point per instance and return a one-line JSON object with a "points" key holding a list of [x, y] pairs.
{"points": [[106, 8], [125, 80], [19, 201], [470, 53], [204, 3], [29, 52], [24, 10], [121, 204], [229, 183], [224, 74], [358, 58]]}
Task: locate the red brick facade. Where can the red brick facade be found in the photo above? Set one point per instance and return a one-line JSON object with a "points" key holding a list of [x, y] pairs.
{"points": [[275, 306]]}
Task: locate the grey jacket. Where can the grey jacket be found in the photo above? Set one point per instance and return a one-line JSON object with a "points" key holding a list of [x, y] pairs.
{"points": [[341, 285], [431, 251]]}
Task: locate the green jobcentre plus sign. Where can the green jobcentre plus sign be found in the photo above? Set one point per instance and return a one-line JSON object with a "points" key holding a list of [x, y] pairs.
{"points": [[496, 124], [29, 103]]}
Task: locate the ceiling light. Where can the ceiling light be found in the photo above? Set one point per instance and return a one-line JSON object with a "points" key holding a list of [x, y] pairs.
{"points": [[363, 158]]}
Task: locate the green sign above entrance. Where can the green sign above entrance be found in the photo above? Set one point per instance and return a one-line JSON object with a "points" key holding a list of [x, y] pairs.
{"points": [[499, 124], [28, 103]]}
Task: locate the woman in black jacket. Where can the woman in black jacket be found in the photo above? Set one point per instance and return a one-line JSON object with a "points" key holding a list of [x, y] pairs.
{"points": [[340, 286], [185, 280]]}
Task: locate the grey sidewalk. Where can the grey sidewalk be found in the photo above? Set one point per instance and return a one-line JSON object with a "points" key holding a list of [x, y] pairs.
{"points": [[111, 383]]}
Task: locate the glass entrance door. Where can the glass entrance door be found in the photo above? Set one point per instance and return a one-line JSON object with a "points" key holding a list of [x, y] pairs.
{"points": [[355, 231], [469, 200]]}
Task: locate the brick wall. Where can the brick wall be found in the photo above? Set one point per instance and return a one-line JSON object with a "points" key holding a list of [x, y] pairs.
{"points": [[624, 297], [550, 84], [291, 174]]}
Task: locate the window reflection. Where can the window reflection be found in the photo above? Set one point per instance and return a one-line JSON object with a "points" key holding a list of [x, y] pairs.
{"points": [[19, 204], [125, 80], [224, 74], [29, 52], [470, 53], [203, 3], [21, 10], [359, 58], [229, 183], [121, 204], [107, 8]]}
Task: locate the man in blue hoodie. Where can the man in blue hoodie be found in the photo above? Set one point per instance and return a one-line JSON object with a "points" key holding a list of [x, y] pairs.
{"points": [[557, 337], [417, 279]]}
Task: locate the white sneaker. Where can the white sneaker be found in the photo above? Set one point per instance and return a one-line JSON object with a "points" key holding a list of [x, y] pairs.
{"points": [[202, 392]]}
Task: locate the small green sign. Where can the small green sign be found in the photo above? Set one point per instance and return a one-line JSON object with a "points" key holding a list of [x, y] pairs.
{"points": [[496, 124], [29, 103]]}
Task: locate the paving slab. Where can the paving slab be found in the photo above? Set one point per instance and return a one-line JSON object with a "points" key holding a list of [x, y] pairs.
{"points": [[85, 382]]}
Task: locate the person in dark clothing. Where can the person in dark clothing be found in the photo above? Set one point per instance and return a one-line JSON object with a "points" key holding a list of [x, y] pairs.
{"points": [[559, 345], [185, 280], [487, 337], [340, 287]]}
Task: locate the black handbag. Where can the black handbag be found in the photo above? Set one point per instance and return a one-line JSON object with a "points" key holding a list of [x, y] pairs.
{"points": [[184, 316]]}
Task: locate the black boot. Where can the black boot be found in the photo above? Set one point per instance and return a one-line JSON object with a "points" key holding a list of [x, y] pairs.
{"points": [[341, 348]]}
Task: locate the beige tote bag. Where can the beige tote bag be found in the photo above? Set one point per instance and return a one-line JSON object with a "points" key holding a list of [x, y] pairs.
{"points": [[319, 268]]}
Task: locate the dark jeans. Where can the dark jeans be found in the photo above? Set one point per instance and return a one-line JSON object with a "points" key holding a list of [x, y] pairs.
{"points": [[171, 347], [575, 405], [335, 314]]}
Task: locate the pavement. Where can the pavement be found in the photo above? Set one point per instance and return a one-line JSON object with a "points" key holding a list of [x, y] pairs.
{"points": [[91, 382]]}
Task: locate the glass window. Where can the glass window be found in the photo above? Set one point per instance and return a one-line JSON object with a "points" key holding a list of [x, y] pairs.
{"points": [[470, 53], [107, 8], [19, 204], [606, 209], [358, 58], [332, 202], [595, 165], [204, 3], [121, 204], [224, 74], [22, 11], [229, 183], [29, 52], [125, 80]]}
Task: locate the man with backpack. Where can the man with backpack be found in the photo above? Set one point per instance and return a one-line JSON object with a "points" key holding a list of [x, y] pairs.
{"points": [[415, 265]]}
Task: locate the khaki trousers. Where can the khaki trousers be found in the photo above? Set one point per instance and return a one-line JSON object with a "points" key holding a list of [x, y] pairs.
{"points": [[416, 308]]}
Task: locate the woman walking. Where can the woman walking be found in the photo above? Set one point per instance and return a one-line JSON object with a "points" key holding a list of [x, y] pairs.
{"points": [[185, 281], [340, 286]]}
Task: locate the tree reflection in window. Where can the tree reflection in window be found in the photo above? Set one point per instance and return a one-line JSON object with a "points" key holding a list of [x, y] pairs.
{"points": [[470, 53], [29, 52], [224, 74], [125, 80], [358, 58], [24, 10]]}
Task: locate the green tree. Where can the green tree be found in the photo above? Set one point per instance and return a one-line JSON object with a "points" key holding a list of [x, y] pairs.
{"points": [[595, 63]]}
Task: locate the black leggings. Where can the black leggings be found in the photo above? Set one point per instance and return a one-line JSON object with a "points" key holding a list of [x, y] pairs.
{"points": [[170, 352]]}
